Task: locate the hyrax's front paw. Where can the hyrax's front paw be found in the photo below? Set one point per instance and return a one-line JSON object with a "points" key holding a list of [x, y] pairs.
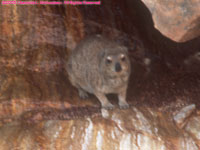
{"points": [[108, 106], [123, 105], [104, 101]]}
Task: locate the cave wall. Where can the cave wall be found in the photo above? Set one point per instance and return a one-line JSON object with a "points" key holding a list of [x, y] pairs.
{"points": [[35, 94]]}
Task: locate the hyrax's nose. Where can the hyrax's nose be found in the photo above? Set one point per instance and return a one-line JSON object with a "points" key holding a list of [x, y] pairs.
{"points": [[118, 67]]}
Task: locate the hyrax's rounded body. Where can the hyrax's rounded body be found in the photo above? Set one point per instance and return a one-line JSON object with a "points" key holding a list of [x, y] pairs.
{"points": [[100, 66]]}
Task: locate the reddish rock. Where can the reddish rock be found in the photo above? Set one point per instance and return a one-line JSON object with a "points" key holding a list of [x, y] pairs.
{"points": [[39, 109], [177, 19], [131, 129]]}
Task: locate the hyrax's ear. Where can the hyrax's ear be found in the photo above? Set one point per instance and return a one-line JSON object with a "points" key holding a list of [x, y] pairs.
{"points": [[125, 49]]}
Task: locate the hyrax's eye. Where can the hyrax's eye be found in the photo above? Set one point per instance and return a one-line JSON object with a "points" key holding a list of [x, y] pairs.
{"points": [[108, 60], [123, 58]]}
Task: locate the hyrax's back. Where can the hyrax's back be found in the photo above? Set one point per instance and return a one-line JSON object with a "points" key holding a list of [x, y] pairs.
{"points": [[83, 64]]}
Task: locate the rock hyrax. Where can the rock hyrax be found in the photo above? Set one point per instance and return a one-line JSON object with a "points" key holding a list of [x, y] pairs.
{"points": [[100, 66]]}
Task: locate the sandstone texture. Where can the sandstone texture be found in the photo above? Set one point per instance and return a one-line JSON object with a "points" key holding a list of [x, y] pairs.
{"points": [[41, 110], [178, 20]]}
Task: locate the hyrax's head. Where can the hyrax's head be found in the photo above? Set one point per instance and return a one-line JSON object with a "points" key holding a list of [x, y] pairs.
{"points": [[115, 62]]}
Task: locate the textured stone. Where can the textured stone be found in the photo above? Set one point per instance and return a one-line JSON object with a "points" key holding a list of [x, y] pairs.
{"points": [[183, 114], [39, 109], [131, 129], [179, 20]]}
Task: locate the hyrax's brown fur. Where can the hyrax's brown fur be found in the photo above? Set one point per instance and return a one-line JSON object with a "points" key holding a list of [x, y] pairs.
{"points": [[100, 66]]}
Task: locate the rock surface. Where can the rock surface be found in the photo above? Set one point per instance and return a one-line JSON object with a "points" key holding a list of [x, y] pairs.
{"points": [[179, 20], [39, 109], [183, 114], [130, 129]]}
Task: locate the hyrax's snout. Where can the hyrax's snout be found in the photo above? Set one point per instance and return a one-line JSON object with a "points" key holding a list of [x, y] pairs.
{"points": [[118, 67]]}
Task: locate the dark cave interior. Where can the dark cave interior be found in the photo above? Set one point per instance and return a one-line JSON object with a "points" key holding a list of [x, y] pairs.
{"points": [[168, 78]]}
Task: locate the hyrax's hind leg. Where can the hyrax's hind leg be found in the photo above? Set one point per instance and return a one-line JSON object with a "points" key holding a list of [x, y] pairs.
{"points": [[83, 94]]}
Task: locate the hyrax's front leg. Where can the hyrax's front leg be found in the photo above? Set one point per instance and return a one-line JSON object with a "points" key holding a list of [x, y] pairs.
{"points": [[122, 99], [104, 101]]}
